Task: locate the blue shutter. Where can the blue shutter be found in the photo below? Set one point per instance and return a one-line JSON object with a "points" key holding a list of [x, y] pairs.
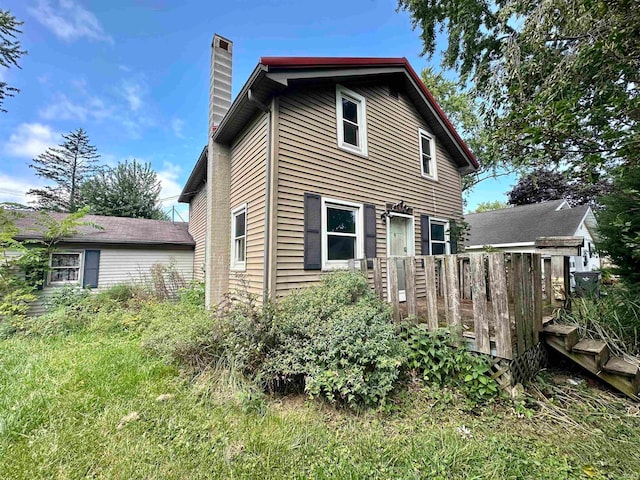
{"points": [[91, 268]]}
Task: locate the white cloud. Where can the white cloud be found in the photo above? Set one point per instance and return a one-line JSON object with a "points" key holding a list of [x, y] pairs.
{"points": [[177, 125], [14, 189], [171, 189], [30, 140], [64, 109], [132, 91], [69, 20]]}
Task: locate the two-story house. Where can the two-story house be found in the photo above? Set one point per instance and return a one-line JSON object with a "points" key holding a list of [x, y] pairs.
{"points": [[318, 161]]}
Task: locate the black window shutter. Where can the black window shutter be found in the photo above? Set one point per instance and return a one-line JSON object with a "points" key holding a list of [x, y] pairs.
{"points": [[370, 231], [312, 231], [91, 268], [425, 235], [453, 237]]}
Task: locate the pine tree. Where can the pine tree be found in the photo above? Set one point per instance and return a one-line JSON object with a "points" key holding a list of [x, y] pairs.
{"points": [[10, 50], [69, 165]]}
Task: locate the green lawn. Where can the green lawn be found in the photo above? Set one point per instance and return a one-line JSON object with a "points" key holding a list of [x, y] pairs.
{"points": [[62, 398]]}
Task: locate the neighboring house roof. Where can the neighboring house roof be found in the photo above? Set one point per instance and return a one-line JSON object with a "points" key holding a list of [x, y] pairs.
{"points": [[274, 74], [115, 230], [524, 224]]}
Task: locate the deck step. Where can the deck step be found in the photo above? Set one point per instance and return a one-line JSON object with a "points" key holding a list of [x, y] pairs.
{"points": [[618, 366], [566, 332], [596, 348]]}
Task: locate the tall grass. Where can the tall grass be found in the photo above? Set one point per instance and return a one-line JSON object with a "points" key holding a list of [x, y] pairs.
{"points": [[613, 317]]}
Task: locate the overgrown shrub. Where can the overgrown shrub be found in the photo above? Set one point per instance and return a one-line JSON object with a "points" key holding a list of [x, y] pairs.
{"points": [[336, 341], [193, 293], [440, 359], [65, 296]]}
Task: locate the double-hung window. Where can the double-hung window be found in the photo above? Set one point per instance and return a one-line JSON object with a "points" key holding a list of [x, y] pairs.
{"points": [[239, 238], [427, 154], [351, 115], [342, 236], [65, 267], [438, 237]]}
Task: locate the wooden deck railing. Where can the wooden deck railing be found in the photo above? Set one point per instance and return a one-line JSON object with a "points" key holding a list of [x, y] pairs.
{"points": [[496, 299]]}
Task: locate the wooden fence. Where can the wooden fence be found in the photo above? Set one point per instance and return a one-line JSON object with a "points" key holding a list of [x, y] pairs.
{"points": [[496, 299]]}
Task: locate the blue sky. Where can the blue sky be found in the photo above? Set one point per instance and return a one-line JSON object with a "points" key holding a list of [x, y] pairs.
{"points": [[134, 73]]}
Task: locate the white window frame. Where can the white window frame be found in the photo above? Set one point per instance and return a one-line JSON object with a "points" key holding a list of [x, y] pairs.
{"points": [[432, 154], [359, 209], [80, 268], [360, 101], [239, 266], [447, 236]]}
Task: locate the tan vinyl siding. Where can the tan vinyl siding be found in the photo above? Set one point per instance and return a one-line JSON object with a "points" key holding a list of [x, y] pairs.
{"points": [[198, 230], [309, 160], [248, 157]]}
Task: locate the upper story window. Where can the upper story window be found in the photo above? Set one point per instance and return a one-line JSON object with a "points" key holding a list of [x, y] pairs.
{"points": [[427, 154], [65, 268], [342, 236], [438, 237], [352, 122], [239, 238]]}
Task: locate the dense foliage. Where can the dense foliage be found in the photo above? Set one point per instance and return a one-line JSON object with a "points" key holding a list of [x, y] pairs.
{"points": [[130, 189], [489, 206], [619, 226], [558, 80], [10, 51], [439, 357], [68, 166]]}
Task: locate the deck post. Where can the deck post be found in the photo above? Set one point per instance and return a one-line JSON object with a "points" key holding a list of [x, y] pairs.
{"points": [[500, 305], [431, 291], [453, 292], [377, 278], [392, 272], [410, 287], [479, 299]]}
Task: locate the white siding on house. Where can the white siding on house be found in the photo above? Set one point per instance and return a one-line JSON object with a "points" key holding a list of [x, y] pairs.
{"points": [[123, 265]]}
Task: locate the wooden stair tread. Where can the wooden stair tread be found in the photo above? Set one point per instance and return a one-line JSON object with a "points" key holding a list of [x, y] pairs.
{"points": [[621, 367], [590, 347], [559, 329]]}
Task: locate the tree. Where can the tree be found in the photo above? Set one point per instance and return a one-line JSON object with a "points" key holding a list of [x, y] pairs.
{"points": [[131, 189], [543, 185], [558, 80], [10, 51], [619, 226], [461, 109], [68, 166], [490, 206]]}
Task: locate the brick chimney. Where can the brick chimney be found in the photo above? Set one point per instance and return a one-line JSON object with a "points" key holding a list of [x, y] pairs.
{"points": [[220, 85]]}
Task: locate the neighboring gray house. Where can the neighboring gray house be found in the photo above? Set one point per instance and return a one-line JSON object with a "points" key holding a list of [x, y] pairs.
{"points": [[123, 250], [516, 229]]}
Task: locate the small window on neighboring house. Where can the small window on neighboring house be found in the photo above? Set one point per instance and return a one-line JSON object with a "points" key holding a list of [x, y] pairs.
{"points": [[427, 155], [342, 233], [239, 238], [351, 119], [65, 268], [438, 237]]}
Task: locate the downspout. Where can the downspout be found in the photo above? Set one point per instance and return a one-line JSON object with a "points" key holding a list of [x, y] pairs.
{"points": [[267, 202]]}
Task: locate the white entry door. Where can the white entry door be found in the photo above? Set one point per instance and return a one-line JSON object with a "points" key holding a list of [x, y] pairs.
{"points": [[400, 243]]}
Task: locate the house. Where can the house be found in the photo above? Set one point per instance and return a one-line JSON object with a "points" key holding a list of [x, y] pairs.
{"points": [[121, 250], [315, 162], [516, 229]]}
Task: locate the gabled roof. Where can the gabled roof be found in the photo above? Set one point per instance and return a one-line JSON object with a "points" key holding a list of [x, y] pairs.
{"points": [[114, 231], [524, 224], [274, 74]]}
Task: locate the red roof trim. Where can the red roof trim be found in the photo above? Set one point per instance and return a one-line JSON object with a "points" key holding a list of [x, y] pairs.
{"points": [[302, 62]]}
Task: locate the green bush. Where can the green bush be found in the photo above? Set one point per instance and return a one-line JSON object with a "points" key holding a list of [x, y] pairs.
{"points": [[336, 341], [65, 296], [193, 293], [440, 359]]}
